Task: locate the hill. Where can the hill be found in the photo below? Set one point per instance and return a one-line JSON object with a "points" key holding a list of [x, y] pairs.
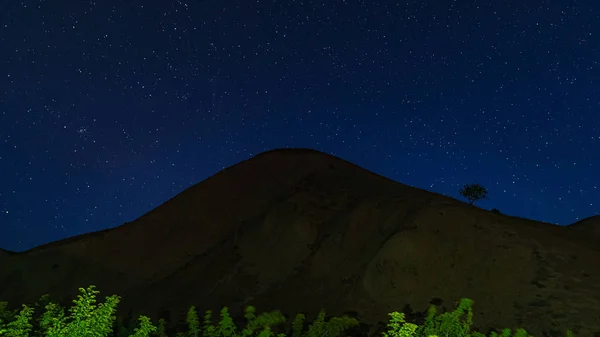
{"points": [[588, 227], [299, 230]]}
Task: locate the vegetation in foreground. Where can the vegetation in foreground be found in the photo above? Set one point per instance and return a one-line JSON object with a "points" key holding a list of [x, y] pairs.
{"points": [[88, 319]]}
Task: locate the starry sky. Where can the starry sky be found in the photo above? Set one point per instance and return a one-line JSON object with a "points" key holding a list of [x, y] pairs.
{"points": [[108, 109]]}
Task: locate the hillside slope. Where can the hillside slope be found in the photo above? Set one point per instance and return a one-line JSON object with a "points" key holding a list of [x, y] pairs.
{"points": [[299, 230], [589, 227]]}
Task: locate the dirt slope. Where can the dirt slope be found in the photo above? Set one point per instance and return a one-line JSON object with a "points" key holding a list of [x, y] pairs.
{"points": [[589, 227], [299, 230]]}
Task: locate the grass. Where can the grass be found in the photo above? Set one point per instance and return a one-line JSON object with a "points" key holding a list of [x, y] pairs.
{"points": [[87, 318]]}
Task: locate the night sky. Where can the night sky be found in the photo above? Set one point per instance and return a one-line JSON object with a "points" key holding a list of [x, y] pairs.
{"points": [[108, 109]]}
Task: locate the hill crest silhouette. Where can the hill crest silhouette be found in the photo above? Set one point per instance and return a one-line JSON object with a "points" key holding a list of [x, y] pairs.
{"points": [[299, 230]]}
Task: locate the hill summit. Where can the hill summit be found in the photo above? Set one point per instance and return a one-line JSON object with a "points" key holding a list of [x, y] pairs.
{"points": [[298, 230]]}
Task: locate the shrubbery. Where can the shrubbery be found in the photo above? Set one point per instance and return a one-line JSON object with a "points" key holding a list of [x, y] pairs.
{"points": [[473, 192], [88, 319]]}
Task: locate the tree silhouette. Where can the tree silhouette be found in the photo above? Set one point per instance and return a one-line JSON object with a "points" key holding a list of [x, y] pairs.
{"points": [[473, 192]]}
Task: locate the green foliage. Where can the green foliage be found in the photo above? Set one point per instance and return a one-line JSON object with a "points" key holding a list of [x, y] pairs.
{"points": [[473, 192], [20, 326], [337, 325], [250, 315], [448, 323], [193, 323], [334, 327], [6, 315], [397, 327], [145, 328], [209, 329], [53, 320], [39, 309], [297, 325], [317, 328], [265, 321], [89, 319], [160, 331], [506, 333], [226, 327], [86, 318]]}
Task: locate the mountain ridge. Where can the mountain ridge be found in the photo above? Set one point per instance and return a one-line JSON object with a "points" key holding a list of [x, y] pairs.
{"points": [[275, 151]]}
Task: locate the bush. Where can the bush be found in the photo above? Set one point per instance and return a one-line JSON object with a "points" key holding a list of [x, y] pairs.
{"points": [[96, 320]]}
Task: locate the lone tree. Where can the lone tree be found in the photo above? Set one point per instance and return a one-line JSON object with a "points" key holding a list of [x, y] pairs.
{"points": [[473, 192]]}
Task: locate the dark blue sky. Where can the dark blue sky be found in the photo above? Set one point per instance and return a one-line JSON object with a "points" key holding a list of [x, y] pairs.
{"points": [[108, 109]]}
